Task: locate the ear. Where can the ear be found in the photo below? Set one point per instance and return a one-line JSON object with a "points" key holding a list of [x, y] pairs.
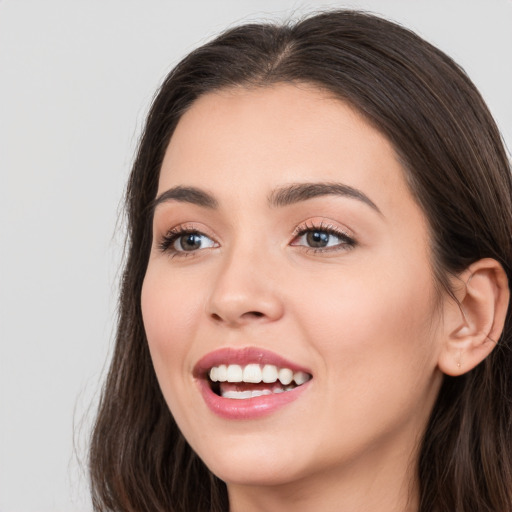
{"points": [[472, 327]]}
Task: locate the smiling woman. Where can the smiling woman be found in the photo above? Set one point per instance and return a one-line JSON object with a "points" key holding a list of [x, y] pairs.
{"points": [[314, 307]]}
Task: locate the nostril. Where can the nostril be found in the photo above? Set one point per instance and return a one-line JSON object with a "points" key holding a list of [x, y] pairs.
{"points": [[249, 314], [257, 314]]}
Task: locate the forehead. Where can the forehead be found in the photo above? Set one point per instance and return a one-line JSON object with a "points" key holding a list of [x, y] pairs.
{"points": [[262, 138]]}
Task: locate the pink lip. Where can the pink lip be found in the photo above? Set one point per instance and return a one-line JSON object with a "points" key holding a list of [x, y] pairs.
{"points": [[242, 357], [250, 408]]}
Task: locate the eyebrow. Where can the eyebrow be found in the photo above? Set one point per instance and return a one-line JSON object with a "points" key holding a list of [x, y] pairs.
{"points": [[297, 192], [283, 196], [182, 194]]}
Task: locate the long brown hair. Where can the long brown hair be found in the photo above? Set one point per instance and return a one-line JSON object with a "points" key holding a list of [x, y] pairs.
{"points": [[458, 171]]}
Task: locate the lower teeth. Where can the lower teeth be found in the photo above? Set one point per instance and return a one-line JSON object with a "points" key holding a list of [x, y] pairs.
{"points": [[243, 395]]}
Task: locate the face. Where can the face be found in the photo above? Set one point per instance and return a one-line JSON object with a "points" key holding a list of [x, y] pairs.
{"points": [[287, 247]]}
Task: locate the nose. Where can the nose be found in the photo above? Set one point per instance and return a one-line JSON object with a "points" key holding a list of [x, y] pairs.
{"points": [[245, 291]]}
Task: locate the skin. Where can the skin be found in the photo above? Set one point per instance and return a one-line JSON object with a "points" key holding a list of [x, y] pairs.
{"points": [[365, 319]]}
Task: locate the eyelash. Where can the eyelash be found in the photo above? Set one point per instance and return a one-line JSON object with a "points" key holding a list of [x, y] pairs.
{"points": [[346, 241]]}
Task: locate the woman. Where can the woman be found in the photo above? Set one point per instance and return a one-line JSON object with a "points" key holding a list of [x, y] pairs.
{"points": [[314, 308]]}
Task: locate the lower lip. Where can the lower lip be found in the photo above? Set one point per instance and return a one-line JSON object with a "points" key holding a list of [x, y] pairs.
{"points": [[248, 408]]}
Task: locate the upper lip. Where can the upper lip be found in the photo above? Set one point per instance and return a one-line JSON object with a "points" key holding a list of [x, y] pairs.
{"points": [[243, 356]]}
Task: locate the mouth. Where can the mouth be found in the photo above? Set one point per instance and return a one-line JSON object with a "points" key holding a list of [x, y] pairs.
{"points": [[242, 382], [249, 382]]}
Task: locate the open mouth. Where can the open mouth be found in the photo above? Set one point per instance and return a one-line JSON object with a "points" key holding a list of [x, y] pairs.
{"points": [[253, 380]]}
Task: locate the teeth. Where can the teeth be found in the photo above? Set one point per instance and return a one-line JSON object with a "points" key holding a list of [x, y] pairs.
{"points": [[242, 395], [285, 376], [269, 373], [234, 373], [300, 378], [222, 373], [261, 392], [254, 374]]}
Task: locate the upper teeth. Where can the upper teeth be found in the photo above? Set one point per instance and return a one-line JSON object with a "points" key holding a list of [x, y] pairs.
{"points": [[254, 373]]}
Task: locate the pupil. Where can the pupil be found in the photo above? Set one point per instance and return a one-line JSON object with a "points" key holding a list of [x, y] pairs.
{"points": [[190, 242], [317, 238]]}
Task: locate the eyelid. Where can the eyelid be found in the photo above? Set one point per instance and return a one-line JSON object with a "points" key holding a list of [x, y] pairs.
{"points": [[323, 224]]}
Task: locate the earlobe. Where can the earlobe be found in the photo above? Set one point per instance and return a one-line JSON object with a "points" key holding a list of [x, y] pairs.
{"points": [[473, 325]]}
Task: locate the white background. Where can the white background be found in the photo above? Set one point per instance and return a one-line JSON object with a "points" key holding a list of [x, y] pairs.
{"points": [[76, 78]]}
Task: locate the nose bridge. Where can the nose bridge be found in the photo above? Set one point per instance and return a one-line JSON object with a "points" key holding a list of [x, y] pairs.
{"points": [[245, 288]]}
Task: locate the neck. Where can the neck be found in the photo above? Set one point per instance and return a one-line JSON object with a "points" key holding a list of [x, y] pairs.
{"points": [[364, 486]]}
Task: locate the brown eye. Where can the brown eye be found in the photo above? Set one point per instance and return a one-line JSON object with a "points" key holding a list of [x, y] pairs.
{"points": [[318, 238], [188, 242], [181, 241], [322, 239]]}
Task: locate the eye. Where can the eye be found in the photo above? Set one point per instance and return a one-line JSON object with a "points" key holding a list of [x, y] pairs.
{"points": [[192, 242], [185, 241], [319, 239], [322, 238]]}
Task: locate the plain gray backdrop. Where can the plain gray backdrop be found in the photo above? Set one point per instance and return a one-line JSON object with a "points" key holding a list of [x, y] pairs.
{"points": [[76, 79]]}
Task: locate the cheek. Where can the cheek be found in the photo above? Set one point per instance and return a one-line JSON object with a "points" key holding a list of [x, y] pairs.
{"points": [[378, 349], [170, 311], [374, 327], [170, 317]]}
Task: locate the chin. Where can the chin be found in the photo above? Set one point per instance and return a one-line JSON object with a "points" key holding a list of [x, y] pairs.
{"points": [[256, 474], [254, 464]]}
